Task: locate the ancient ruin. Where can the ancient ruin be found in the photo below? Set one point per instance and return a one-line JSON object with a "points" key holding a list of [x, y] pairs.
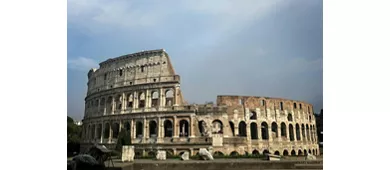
{"points": [[140, 93]]}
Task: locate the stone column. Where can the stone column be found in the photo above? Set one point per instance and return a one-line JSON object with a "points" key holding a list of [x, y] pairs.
{"points": [[259, 132], [175, 97], [161, 98], [120, 127], [105, 106], [236, 130], [175, 127], [135, 100], [295, 133], [288, 132], [132, 129], [191, 127], [123, 102], [110, 136], [102, 133], [145, 134], [147, 99], [113, 105], [270, 133], [160, 129], [279, 132]]}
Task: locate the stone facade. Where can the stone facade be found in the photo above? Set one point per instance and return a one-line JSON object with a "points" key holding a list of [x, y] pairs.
{"points": [[140, 93]]}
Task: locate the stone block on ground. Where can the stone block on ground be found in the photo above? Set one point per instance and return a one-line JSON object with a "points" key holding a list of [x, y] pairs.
{"points": [[161, 155], [205, 155], [185, 156], [128, 153], [310, 157]]}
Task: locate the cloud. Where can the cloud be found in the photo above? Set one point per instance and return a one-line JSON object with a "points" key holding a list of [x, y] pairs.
{"points": [[82, 64], [226, 15]]}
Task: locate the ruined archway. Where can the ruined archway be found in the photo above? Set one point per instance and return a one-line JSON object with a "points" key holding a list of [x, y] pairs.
{"points": [[291, 132], [276, 153], [183, 128], [217, 127], [169, 97], [297, 131], [274, 128], [168, 128], [254, 133], [283, 130], [300, 153], [285, 153], [293, 153], [255, 152], [242, 128], [152, 129], [141, 100], [234, 153], [115, 130], [155, 100], [264, 131], [106, 132], [253, 115], [139, 129]]}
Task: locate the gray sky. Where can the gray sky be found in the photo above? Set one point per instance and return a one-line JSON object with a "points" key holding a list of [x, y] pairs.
{"points": [[221, 47]]}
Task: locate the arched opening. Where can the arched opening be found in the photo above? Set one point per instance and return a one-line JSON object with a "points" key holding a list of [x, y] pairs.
{"points": [[300, 153], [291, 132], [242, 128], [255, 152], [234, 153], [309, 151], [155, 99], [152, 129], [201, 127], [313, 152], [297, 131], [276, 153], [307, 132], [254, 134], [118, 102], [106, 132], [168, 128], [93, 132], [274, 128], [130, 101], [289, 117], [265, 152], [102, 102], [218, 153], [285, 153], [264, 131], [115, 130], [169, 97], [127, 126], [303, 132], [295, 105], [183, 128], [232, 127], [217, 127], [253, 115], [311, 133], [109, 105], [141, 100], [139, 129], [151, 154], [99, 131], [283, 130], [281, 105], [305, 151], [293, 153]]}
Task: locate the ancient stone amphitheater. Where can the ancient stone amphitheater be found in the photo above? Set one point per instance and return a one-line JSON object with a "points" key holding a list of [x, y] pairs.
{"points": [[140, 94]]}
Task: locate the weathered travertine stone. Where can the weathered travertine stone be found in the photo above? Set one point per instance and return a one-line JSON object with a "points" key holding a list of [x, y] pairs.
{"points": [[272, 157], [185, 156], [161, 155], [310, 157], [205, 155], [127, 153]]}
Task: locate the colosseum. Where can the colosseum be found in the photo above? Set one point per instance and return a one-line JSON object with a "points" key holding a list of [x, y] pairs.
{"points": [[140, 94]]}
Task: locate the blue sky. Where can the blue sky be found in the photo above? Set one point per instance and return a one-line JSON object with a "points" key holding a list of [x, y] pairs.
{"points": [[250, 47]]}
